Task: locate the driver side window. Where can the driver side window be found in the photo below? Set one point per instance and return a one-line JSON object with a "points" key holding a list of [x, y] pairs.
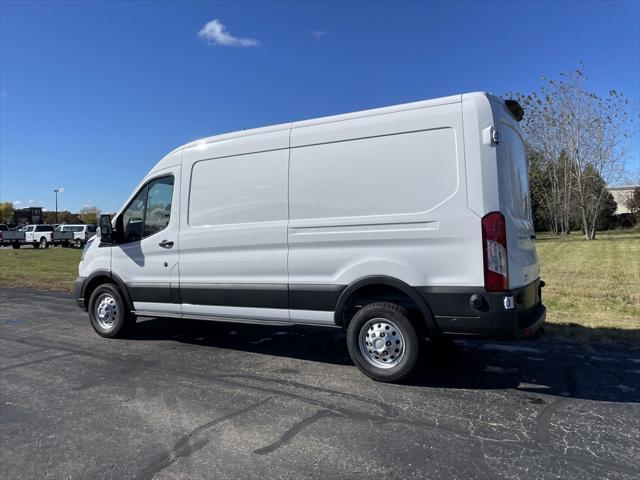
{"points": [[133, 217], [149, 212]]}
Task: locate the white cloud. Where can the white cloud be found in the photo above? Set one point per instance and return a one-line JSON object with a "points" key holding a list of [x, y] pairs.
{"points": [[320, 34], [215, 33], [17, 202]]}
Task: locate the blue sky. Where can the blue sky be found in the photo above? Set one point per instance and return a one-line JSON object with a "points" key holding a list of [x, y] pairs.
{"points": [[93, 94]]}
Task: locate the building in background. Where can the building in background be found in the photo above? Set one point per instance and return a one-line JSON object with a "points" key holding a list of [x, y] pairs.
{"points": [[621, 194], [29, 215]]}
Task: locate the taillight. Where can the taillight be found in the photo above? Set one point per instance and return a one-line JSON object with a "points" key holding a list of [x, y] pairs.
{"points": [[494, 247]]}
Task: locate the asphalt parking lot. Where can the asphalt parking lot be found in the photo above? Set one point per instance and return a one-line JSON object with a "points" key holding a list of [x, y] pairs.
{"points": [[192, 399]]}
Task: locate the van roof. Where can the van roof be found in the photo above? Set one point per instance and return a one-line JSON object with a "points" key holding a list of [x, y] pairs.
{"points": [[317, 121], [328, 119]]}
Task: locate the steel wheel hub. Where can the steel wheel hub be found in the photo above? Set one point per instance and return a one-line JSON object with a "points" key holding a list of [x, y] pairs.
{"points": [[106, 311], [381, 343]]}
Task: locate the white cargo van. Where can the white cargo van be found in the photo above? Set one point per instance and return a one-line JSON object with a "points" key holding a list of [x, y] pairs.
{"points": [[395, 224]]}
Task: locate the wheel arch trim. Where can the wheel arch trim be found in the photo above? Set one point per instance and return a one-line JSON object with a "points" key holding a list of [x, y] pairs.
{"points": [[103, 273], [388, 282]]}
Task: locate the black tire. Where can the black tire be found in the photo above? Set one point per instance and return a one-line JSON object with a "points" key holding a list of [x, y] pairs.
{"points": [[118, 320], [396, 366], [44, 243], [78, 243], [15, 245], [36, 245]]}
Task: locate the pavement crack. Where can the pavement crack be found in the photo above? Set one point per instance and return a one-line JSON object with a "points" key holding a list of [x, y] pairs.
{"points": [[190, 443], [295, 429], [33, 362], [543, 421]]}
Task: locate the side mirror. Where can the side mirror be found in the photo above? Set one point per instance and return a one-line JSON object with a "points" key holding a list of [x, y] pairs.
{"points": [[106, 230]]}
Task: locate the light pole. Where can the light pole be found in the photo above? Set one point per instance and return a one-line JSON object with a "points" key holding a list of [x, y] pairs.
{"points": [[56, 190]]}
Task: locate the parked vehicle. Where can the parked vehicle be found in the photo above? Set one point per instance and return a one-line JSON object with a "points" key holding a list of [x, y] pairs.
{"points": [[10, 236], [62, 236], [74, 235], [38, 235], [394, 224]]}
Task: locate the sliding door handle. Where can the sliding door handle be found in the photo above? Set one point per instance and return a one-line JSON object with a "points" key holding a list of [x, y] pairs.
{"points": [[166, 243]]}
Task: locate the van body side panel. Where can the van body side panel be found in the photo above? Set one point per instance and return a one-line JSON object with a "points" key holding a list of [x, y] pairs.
{"points": [[234, 227], [381, 195]]}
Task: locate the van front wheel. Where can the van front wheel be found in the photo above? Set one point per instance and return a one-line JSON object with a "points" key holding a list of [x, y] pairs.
{"points": [[108, 312], [383, 342]]}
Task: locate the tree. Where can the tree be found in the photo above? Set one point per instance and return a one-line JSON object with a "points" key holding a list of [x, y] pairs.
{"points": [[632, 202], [607, 218], [49, 217], [64, 217], [89, 214], [580, 139], [594, 185], [6, 212]]}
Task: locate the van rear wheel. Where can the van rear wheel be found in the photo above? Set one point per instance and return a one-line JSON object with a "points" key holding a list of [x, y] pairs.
{"points": [[383, 342], [108, 312]]}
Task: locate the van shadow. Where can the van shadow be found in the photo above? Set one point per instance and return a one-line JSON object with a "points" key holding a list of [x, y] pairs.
{"points": [[534, 367], [133, 250]]}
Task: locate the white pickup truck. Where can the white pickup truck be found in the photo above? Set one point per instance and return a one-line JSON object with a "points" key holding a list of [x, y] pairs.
{"points": [[38, 235], [10, 237]]}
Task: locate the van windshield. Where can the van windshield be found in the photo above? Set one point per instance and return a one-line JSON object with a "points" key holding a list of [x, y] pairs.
{"points": [[517, 184]]}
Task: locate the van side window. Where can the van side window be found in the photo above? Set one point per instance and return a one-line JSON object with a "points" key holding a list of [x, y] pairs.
{"points": [[133, 217], [158, 205]]}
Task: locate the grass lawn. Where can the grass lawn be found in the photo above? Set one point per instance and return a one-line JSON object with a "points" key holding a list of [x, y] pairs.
{"points": [[593, 287], [53, 268], [592, 291]]}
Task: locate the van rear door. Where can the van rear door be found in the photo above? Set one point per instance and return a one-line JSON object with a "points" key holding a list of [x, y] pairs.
{"points": [[515, 203]]}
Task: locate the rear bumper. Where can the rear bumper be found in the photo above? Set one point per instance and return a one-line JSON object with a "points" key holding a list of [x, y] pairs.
{"points": [[78, 288], [529, 325], [472, 311]]}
